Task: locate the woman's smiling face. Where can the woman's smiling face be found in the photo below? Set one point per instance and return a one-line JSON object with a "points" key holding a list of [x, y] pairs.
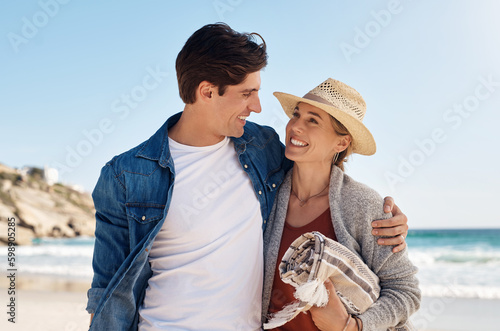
{"points": [[310, 136]]}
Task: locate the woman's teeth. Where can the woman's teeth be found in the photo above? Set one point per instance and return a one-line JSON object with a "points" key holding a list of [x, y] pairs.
{"points": [[297, 143]]}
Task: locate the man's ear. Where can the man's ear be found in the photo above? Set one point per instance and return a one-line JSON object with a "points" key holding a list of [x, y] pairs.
{"points": [[205, 91]]}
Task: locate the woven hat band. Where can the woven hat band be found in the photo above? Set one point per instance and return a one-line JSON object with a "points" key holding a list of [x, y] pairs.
{"points": [[347, 110], [317, 98]]}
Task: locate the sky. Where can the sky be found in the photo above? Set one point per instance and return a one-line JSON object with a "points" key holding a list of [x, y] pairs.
{"points": [[82, 81]]}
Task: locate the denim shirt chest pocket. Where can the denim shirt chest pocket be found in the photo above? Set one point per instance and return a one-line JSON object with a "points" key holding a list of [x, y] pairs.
{"points": [[142, 218]]}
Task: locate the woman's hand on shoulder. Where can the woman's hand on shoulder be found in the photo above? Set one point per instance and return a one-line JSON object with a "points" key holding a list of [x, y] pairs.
{"points": [[393, 230], [332, 317]]}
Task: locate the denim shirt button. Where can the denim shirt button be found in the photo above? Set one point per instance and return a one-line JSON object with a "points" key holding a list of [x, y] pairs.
{"points": [[260, 192], [246, 166], [143, 218], [274, 185]]}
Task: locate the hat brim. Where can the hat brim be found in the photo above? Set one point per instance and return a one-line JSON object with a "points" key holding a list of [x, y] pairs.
{"points": [[362, 139]]}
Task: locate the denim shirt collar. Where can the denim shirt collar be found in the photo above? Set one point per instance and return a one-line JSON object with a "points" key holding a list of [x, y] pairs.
{"points": [[240, 143], [156, 148]]}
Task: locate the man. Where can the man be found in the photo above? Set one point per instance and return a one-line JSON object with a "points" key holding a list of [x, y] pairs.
{"points": [[180, 217]]}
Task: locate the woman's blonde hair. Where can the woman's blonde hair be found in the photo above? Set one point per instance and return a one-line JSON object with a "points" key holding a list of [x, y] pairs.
{"points": [[341, 130]]}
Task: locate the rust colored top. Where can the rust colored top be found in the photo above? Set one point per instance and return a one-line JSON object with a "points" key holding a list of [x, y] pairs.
{"points": [[282, 294]]}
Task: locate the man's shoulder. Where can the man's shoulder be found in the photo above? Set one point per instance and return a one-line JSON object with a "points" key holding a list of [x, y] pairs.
{"points": [[147, 155], [127, 160], [258, 127], [262, 133]]}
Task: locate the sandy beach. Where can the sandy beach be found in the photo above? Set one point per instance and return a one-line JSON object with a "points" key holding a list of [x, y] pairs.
{"points": [[458, 314], [48, 310], [47, 303]]}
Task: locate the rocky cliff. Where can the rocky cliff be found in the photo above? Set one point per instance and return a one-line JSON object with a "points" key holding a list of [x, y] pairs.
{"points": [[41, 210]]}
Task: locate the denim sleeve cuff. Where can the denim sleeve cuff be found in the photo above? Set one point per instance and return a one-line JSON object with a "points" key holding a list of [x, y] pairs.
{"points": [[94, 295]]}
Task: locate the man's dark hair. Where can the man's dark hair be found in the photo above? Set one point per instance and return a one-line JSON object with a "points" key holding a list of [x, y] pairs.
{"points": [[217, 54]]}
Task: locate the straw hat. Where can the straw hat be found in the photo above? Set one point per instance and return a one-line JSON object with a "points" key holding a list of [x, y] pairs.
{"points": [[342, 102]]}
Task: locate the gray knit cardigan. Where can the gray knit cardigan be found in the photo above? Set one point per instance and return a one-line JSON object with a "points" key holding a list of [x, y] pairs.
{"points": [[353, 207]]}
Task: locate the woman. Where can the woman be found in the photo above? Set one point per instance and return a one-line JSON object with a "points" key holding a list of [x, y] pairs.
{"points": [[325, 128]]}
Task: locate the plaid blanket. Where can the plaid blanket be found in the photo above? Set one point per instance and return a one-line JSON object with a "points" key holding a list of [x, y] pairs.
{"points": [[310, 260]]}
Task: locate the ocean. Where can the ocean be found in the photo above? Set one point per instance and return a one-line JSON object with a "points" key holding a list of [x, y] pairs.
{"points": [[68, 258], [457, 263], [452, 263]]}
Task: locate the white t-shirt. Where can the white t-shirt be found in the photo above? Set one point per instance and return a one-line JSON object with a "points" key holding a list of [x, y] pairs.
{"points": [[207, 259]]}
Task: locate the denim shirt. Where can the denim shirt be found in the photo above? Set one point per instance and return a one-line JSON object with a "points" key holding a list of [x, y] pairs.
{"points": [[132, 198]]}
